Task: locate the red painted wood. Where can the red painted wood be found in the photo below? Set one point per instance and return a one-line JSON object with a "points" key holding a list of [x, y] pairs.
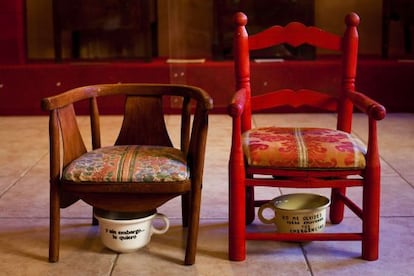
{"points": [[304, 237], [341, 99], [295, 34], [237, 195], [295, 99]]}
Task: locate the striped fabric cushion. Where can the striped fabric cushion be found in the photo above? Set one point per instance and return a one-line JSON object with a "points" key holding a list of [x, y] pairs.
{"points": [[128, 164], [305, 148]]}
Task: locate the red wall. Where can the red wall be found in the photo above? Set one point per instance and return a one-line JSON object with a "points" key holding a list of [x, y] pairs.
{"points": [[12, 20], [23, 86]]}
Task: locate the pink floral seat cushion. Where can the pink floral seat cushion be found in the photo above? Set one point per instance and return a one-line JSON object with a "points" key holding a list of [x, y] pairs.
{"points": [[130, 163], [305, 148]]}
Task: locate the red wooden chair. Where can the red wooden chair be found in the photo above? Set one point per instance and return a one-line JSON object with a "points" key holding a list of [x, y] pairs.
{"points": [[251, 155]]}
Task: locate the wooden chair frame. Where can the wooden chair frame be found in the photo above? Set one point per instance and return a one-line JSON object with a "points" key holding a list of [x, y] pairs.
{"points": [[143, 124]]}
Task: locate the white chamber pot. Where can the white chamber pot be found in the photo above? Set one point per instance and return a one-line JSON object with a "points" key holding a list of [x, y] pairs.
{"points": [[125, 232], [296, 213]]}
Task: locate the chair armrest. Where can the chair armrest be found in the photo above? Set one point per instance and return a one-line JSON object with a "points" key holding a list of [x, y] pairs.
{"points": [[367, 105], [238, 102], [204, 98]]}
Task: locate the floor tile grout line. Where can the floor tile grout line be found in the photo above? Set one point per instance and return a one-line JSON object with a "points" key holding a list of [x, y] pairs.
{"points": [[305, 256], [397, 172], [114, 264], [22, 175]]}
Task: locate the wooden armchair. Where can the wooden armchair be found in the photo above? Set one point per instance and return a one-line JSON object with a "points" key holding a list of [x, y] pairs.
{"points": [[302, 157], [142, 170]]}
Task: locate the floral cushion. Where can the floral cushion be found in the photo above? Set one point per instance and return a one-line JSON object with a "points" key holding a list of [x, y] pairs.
{"points": [[128, 164], [307, 148]]}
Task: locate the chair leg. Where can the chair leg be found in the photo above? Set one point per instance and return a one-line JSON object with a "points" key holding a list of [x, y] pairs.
{"points": [[54, 226], [337, 208], [194, 224], [249, 205], [94, 220], [237, 217], [371, 216], [185, 206]]}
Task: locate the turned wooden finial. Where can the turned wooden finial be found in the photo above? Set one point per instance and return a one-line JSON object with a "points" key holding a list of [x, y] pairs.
{"points": [[352, 19], [240, 19]]}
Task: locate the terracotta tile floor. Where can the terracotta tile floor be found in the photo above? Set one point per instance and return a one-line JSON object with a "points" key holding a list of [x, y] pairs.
{"points": [[24, 214]]}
